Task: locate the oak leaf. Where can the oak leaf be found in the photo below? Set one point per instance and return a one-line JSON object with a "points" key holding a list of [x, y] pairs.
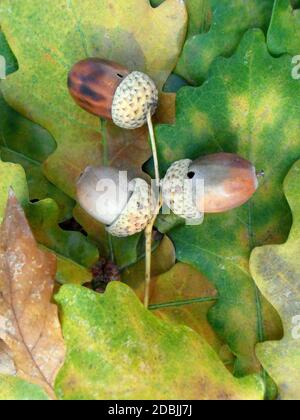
{"points": [[29, 324], [117, 350], [276, 271]]}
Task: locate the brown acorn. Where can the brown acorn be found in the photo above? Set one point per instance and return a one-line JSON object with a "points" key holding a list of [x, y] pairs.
{"points": [[93, 82], [229, 181], [226, 181], [108, 90]]}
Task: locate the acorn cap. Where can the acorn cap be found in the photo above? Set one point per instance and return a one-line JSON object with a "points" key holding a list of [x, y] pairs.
{"points": [[177, 191], [102, 193], [137, 213], [134, 98], [93, 82]]}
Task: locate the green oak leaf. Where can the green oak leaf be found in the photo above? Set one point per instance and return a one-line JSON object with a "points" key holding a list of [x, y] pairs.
{"points": [[49, 37], [200, 15], [127, 251], [276, 270], [284, 31], [173, 84], [11, 64], [95, 230], [68, 271], [124, 251], [15, 389], [43, 219], [250, 106], [26, 143], [230, 20], [117, 350]]}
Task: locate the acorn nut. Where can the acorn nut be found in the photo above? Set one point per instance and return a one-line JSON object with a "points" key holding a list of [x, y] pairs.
{"points": [[125, 207], [215, 183], [109, 90]]}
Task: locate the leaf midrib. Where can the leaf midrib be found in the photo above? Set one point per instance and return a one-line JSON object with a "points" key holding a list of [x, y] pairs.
{"points": [[21, 155], [10, 279]]}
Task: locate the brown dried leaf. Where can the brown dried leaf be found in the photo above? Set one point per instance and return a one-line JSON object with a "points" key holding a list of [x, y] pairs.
{"points": [[7, 366], [29, 324]]}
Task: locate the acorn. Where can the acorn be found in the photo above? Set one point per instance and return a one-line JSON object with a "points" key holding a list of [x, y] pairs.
{"points": [[215, 183], [109, 90], [124, 206]]}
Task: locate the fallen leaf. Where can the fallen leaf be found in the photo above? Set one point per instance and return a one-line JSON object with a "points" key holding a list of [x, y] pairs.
{"points": [[29, 323], [118, 350], [5, 51], [7, 365], [95, 230], [276, 270], [284, 31], [15, 389], [68, 271], [199, 12], [127, 251]]}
